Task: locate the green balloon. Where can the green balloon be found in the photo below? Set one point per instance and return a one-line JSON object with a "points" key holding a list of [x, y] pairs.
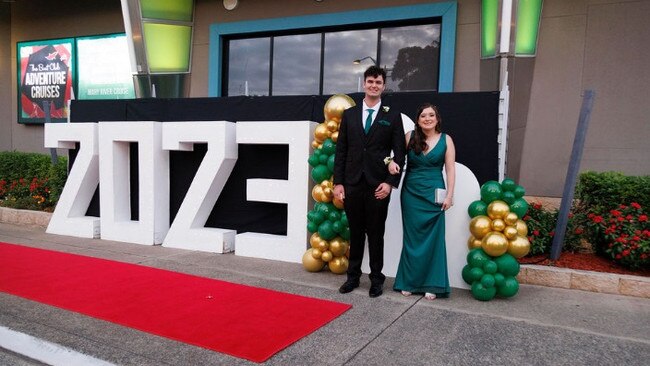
{"points": [[315, 216], [507, 265], [320, 173], [326, 230], [477, 257], [338, 226], [487, 280], [519, 191], [482, 293], [325, 208], [520, 207], [322, 159], [475, 274], [508, 185], [317, 152], [330, 162], [490, 267], [467, 274], [312, 227], [499, 279], [477, 208], [334, 216], [344, 219], [509, 288], [509, 197], [313, 160], [491, 191], [329, 147], [345, 233]]}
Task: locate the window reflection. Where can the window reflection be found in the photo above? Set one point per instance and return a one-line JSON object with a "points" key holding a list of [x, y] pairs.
{"points": [[296, 65], [340, 75], [411, 55], [249, 66]]}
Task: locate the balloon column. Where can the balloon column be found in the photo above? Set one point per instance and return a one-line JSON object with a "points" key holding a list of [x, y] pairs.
{"points": [[498, 237], [327, 221]]}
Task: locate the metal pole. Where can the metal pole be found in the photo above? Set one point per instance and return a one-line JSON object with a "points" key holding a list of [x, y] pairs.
{"points": [[572, 173]]}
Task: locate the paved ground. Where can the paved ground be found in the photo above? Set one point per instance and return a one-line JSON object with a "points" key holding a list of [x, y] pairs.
{"points": [[540, 326]]}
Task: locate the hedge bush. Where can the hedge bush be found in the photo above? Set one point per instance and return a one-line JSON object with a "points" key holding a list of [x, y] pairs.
{"points": [[30, 181]]}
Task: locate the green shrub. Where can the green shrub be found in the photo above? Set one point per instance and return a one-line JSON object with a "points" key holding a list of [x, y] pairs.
{"points": [[30, 181], [541, 230]]}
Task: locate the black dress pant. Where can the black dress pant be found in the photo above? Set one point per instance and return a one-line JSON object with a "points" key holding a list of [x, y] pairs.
{"points": [[366, 217]]}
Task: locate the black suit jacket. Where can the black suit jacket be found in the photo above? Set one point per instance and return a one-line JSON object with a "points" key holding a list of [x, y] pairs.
{"points": [[360, 155]]}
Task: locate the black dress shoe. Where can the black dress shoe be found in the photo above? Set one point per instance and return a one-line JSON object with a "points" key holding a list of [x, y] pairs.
{"points": [[375, 291], [348, 286]]}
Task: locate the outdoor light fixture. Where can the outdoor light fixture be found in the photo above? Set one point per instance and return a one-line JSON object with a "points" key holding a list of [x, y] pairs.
{"points": [[497, 25], [358, 61], [230, 4]]}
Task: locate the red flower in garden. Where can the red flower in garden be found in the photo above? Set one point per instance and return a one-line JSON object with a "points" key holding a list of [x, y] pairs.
{"points": [[643, 218], [579, 231], [536, 232], [635, 205], [597, 219], [615, 213]]}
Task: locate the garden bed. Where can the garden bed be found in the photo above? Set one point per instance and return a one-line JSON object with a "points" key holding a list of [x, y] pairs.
{"points": [[584, 261]]}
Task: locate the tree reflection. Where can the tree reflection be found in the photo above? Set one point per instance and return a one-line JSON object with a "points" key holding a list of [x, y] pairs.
{"points": [[416, 68]]}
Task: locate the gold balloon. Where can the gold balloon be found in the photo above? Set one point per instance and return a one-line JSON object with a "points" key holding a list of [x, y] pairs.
{"points": [[314, 240], [511, 218], [494, 244], [335, 136], [310, 263], [480, 226], [321, 133], [335, 106], [519, 247], [327, 184], [498, 225], [498, 209], [510, 232], [337, 203], [316, 253], [338, 265], [317, 193], [522, 228], [332, 125], [323, 245], [473, 243], [324, 197], [326, 256], [338, 246], [315, 144]]}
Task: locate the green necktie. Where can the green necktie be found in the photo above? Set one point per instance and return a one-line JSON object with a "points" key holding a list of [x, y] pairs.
{"points": [[368, 120]]}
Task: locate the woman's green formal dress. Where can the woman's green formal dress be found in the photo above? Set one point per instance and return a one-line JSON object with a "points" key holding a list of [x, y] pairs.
{"points": [[423, 263]]}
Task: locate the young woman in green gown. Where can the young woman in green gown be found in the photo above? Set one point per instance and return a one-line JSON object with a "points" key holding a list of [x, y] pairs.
{"points": [[423, 262]]}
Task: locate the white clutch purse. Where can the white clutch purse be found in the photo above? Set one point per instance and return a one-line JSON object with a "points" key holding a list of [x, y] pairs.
{"points": [[441, 194]]}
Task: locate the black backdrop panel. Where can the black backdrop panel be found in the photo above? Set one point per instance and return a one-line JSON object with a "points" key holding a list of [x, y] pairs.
{"points": [[470, 118]]}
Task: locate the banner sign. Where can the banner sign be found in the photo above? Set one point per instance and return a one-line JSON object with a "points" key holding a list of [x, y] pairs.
{"points": [[45, 74], [104, 71]]}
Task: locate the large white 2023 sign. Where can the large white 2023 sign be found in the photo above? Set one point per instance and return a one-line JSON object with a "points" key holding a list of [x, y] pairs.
{"points": [[104, 156]]}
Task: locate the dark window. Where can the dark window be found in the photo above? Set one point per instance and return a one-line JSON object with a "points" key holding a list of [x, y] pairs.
{"points": [[323, 62]]}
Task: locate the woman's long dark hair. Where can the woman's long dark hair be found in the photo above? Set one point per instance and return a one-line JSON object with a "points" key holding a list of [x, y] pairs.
{"points": [[418, 140]]}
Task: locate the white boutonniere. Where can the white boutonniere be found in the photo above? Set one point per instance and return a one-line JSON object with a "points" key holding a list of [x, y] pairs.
{"points": [[388, 160], [385, 109]]}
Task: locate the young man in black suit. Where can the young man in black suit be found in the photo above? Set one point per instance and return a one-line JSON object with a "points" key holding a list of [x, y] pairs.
{"points": [[367, 135]]}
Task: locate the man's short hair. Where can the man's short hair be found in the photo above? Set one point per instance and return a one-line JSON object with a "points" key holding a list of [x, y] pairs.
{"points": [[374, 71]]}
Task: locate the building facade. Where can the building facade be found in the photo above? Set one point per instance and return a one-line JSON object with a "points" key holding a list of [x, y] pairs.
{"points": [[583, 44]]}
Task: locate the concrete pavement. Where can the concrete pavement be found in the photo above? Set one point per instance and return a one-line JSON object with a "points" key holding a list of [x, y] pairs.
{"points": [[539, 326]]}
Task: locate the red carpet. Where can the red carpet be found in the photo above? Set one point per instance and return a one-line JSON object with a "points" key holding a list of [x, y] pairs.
{"points": [[238, 320]]}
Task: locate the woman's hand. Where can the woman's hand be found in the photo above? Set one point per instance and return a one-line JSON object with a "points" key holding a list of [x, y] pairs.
{"points": [[447, 203], [393, 168]]}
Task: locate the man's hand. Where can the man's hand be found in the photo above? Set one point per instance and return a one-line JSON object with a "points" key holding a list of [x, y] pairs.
{"points": [[393, 168], [382, 191], [339, 192]]}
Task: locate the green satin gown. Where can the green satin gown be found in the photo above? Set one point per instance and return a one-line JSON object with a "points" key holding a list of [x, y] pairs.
{"points": [[423, 262]]}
